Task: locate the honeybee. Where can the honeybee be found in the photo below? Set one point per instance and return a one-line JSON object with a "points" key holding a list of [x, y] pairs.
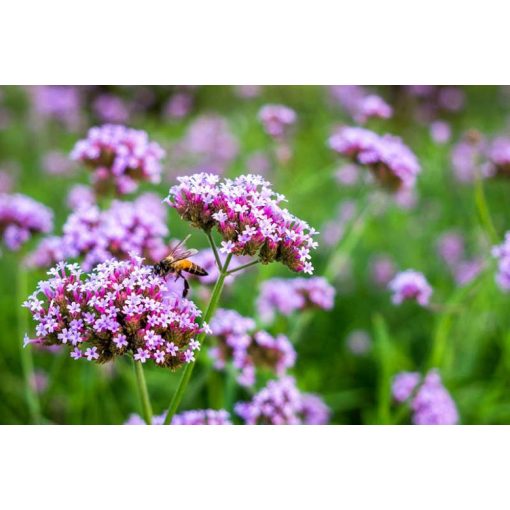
{"points": [[176, 262]]}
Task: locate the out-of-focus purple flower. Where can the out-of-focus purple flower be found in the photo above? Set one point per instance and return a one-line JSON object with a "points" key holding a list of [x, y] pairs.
{"points": [[393, 164], [247, 214], [119, 308], [281, 403], [410, 285], [450, 247], [62, 103], [39, 381], [359, 342], [248, 91], [382, 269], [373, 107], [406, 198], [502, 253], [440, 131], [432, 404], [498, 155], [178, 106], [259, 163], [120, 157], [404, 384], [20, 218], [237, 341], [195, 417], [110, 108], [436, 100], [451, 98], [334, 230], [79, 196], [467, 270], [57, 163], [50, 250], [467, 155], [347, 175], [277, 119], [6, 182], [287, 296]]}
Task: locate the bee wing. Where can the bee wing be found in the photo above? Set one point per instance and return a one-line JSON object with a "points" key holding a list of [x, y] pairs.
{"points": [[180, 254]]}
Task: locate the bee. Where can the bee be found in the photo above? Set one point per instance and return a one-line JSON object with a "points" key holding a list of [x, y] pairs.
{"points": [[176, 262]]}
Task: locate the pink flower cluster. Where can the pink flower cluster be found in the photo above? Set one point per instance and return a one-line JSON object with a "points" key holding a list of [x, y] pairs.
{"points": [[502, 253], [393, 164], [248, 349], [360, 104], [126, 227], [287, 296], [467, 155], [498, 155], [281, 403], [410, 285], [430, 402], [195, 417], [59, 102], [119, 308], [20, 217], [121, 157], [277, 119], [247, 214]]}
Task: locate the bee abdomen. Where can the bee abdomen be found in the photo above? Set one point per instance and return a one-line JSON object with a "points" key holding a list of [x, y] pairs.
{"points": [[195, 269]]}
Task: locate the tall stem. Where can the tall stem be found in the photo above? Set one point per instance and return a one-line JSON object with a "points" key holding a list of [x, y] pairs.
{"points": [[483, 210], [215, 251], [144, 394], [27, 361], [188, 369]]}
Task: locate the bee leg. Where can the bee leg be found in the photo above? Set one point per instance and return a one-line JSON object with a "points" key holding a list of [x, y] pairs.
{"points": [[186, 287]]}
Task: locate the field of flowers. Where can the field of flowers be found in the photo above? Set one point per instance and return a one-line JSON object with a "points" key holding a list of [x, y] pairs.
{"points": [[353, 239]]}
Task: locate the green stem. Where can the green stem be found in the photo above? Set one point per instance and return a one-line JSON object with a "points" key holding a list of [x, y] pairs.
{"points": [[483, 210], [215, 251], [188, 369], [144, 394], [27, 361], [244, 266]]}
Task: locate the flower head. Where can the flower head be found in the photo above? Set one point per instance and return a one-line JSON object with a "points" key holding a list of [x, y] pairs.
{"points": [[195, 417], [247, 214], [410, 285], [277, 119], [120, 157], [502, 254], [120, 307]]}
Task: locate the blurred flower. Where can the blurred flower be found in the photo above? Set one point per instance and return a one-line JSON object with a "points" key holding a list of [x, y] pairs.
{"points": [[248, 91], [21, 217], [436, 100], [404, 384], [39, 381], [247, 214], [502, 254], [334, 230], [56, 163], [178, 106], [450, 247], [498, 155], [281, 403], [197, 417], [120, 157], [359, 104], [110, 108], [382, 270], [372, 107], [62, 103], [359, 342], [347, 175], [119, 308], [392, 163], [466, 156], [80, 196], [440, 131], [50, 250], [277, 119], [6, 182], [248, 349], [258, 163], [410, 285], [467, 270], [286, 296]]}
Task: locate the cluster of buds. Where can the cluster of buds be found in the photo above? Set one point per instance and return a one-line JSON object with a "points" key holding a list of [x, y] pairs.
{"points": [[121, 307], [248, 349], [120, 157], [410, 285], [281, 403], [392, 163], [246, 213], [20, 218]]}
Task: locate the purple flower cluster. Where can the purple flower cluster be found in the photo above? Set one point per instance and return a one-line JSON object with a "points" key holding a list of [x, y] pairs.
{"points": [[277, 119], [410, 285], [393, 164], [126, 227], [120, 307], [248, 349], [62, 103], [467, 156], [110, 108], [502, 253], [195, 417], [382, 269], [359, 104], [56, 163], [178, 106], [287, 296], [20, 217], [430, 401], [281, 403], [247, 214], [80, 196], [120, 157], [498, 155]]}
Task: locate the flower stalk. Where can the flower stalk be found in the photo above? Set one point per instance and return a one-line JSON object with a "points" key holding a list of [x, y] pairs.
{"points": [[144, 393]]}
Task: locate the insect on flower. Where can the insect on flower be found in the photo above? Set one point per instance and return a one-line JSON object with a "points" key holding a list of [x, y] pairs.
{"points": [[177, 261]]}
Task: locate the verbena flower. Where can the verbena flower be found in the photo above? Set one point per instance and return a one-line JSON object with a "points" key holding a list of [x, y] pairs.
{"points": [[62, 103], [178, 106], [20, 218], [56, 163], [334, 229], [110, 108], [6, 181], [120, 157], [119, 308], [281, 403], [382, 269], [393, 164], [247, 348], [247, 214], [450, 247], [498, 155], [80, 196], [467, 270], [359, 104], [440, 131], [404, 384], [126, 227], [410, 285], [195, 417], [359, 342], [277, 119], [502, 254], [286, 296], [467, 157]]}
